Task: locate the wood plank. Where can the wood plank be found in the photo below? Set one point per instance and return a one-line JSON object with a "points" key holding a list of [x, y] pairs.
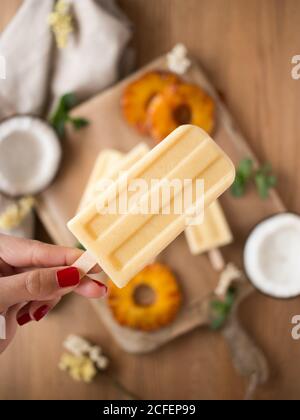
{"points": [[8, 10]]}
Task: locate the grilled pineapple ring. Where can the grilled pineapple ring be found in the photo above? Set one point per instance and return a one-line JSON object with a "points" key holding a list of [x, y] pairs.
{"points": [[138, 95], [133, 308], [177, 105]]}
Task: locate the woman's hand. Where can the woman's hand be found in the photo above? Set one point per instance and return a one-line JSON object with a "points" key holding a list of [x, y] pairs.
{"points": [[33, 278]]}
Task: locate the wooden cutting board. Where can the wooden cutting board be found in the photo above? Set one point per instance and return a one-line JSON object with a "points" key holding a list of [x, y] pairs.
{"points": [[108, 129]]}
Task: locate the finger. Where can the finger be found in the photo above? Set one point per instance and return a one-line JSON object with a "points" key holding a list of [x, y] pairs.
{"points": [[42, 284], [18, 270], [35, 311], [87, 287], [91, 289], [5, 269], [19, 252]]}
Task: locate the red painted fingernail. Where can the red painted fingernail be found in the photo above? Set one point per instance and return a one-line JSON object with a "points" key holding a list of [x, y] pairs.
{"points": [[41, 312], [24, 319], [68, 277], [102, 287]]}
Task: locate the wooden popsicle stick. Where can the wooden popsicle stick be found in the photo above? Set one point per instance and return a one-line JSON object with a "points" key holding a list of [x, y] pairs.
{"points": [[216, 259], [85, 263]]}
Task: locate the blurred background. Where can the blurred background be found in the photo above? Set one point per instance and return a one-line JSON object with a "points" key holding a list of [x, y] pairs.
{"points": [[246, 49]]}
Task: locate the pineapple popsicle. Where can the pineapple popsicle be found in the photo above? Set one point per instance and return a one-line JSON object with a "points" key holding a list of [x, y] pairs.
{"points": [[105, 163], [110, 164], [213, 233], [208, 237], [108, 168], [123, 244]]}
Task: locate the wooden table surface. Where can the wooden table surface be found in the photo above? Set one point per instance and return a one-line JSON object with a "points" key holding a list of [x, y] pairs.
{"points": [[246, 48]]}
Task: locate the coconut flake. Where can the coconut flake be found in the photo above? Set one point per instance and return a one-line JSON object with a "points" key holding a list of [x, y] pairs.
{"points": [[30, 154], [16, 217], [178, 60], [77, 345], [272, 256]]}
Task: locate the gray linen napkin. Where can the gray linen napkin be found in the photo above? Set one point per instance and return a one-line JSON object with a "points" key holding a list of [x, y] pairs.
{"points": [[36, 71]]}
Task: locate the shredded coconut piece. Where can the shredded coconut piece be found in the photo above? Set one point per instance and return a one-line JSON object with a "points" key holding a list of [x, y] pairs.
{"points": [[84, 360], [14, 214], [76, 345], [80, 368], [94, 353], [98, 358], [102, 363], [178, 60]]}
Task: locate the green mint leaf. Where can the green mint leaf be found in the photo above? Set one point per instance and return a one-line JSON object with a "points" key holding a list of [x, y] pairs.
{"points": [[58, 120], [60, 116], [272, 181], [265, 180], [238, 188], [219, 307], [68, 101], [79, 123], [217, 323], [65, 104], [243, 175], [245, 168], [230, 297], [262, 185], [60, 127]]}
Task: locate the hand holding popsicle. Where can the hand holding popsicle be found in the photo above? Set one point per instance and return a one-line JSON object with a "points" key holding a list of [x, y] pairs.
{"points": [[33, 278]]}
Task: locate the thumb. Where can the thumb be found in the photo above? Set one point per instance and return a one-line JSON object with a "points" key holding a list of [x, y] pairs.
{"points": [[42, 284]]}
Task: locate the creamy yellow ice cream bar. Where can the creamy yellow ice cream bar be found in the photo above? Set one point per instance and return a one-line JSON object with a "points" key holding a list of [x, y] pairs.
{"points": [[210, 235], [109, 164], [124, 243], [213, 233], [104, 166]]}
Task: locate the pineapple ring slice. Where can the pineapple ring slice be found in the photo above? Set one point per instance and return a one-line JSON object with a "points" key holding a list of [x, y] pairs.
{"points": [[148, 315], [139, 94], [177, 105]]}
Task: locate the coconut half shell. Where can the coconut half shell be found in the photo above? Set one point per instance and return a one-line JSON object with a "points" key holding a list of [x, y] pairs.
{"points": [[30, 154], [272, 256]]}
